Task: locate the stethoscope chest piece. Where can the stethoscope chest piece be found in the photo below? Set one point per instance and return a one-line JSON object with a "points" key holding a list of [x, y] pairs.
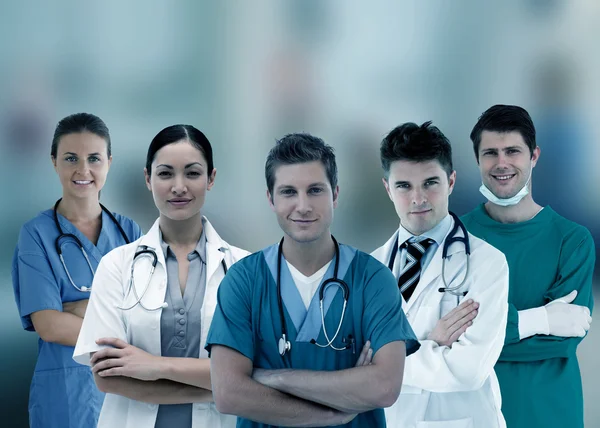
{"points": [[284, 345]]}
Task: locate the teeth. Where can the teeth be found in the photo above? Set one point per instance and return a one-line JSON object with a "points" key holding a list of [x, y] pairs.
{"points": [[503, 177], [82, 182]]}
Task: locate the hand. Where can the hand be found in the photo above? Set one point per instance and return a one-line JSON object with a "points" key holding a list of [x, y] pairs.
{"points": [[76, 308], [450, 327], [124, 360], [566, 319], [366, 355]]}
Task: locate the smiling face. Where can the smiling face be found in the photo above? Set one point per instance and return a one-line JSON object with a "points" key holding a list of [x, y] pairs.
{"points": [[82, 164], [505, 162], [419, 191], [179, 180], [303, 201]]}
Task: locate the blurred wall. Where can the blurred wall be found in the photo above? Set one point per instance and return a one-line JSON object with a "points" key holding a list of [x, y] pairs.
{"points": [[248, 72]]}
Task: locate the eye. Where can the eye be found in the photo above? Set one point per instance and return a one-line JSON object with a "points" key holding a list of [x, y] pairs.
{"points": [[287, 192], [71, 159], [163, 174], [194, 174], [402, 186], [513, 151], [489, 153], [431, 183], [94, 159], [315, 190]]}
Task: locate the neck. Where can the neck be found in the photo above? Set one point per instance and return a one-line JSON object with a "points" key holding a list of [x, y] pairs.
{"points": [[525, 210], [181, 232], [80, 209], [309, 257]]}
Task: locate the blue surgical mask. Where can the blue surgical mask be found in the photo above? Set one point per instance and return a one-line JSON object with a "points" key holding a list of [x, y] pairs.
{"points": [[506, 202]]}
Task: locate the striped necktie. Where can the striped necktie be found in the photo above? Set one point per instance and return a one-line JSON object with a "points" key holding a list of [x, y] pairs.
{"points": [[411, 272]]}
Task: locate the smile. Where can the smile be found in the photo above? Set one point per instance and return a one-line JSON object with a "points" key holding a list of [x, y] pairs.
{"points": [[179, 202], [420, 212], [82, 182], [503, 177]]}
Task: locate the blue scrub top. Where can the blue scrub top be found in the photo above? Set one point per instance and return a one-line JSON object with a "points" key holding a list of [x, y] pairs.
{"points": [[63, 393], [247, 317]]}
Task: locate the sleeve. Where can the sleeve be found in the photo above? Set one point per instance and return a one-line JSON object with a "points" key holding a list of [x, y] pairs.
{"points": [[231, 325], [136, 231], [102, 317], [576, 270], [384, 320], [34, 284], [468, 363]]}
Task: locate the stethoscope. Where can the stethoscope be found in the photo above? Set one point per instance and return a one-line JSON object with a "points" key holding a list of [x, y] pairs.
{"points": [[62, 235], [450, 239], [146, 251], [284, 345]]}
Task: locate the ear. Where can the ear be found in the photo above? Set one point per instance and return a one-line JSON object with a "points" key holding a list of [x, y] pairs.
{"points": [[109, 162], [387, 188], [270, 199], [535, 156], [451, 182], [53, 159], [147, 179], [211, 179], [336, 193]]}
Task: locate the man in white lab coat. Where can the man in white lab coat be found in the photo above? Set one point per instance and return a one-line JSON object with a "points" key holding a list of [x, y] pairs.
{"points": [[459, 317]]}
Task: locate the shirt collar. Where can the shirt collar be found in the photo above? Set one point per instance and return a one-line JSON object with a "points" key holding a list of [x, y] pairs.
{"points": [[437, 234]]}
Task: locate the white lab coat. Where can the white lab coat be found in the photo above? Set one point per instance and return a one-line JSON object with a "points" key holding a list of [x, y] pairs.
{"points": [[454, 387], [141, 328]]}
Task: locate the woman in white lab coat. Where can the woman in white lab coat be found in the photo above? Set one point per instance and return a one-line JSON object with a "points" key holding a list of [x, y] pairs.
{"points": [[145, 328]]}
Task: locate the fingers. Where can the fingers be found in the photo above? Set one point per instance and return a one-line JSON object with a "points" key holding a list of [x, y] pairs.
{"points": [[112, 341], [106, 364], [454, 336], [106, 353], [364, 354], [464, 310], [117, 371]]}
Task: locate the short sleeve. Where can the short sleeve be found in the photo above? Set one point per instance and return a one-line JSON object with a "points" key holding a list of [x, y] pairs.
{"points": [[102, 317], [232, 321], [34, 284], [383, 318], [136, 231]]}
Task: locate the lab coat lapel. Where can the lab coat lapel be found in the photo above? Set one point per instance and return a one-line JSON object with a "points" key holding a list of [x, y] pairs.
{"points": [[215, 250]]}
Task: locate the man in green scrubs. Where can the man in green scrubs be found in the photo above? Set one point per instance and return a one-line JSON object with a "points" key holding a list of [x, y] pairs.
{"points": [[551, 262]]}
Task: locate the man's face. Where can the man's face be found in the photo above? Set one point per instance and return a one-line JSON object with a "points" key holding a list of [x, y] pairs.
{"points": [[419, 191], [303, 200], [505, 162]]}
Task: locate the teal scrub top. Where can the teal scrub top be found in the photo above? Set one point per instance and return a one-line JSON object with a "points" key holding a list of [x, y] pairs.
{"points": [[63, 393], [247, 317]]}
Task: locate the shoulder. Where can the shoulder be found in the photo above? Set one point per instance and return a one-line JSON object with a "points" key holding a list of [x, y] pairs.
{"points": [[34, 229], [370, 267], [131, 228], [122, 255], [237, 253], [572, 234]]}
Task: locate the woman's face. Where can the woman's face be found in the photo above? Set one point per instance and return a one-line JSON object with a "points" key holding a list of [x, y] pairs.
{"points": [[179, 180], [82, 163]]}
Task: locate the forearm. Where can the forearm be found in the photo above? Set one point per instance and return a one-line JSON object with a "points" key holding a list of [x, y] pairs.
{"points": [[353, 390], [58, 327], [249, 399], [190, 371], [539, 348], [157, 392]]}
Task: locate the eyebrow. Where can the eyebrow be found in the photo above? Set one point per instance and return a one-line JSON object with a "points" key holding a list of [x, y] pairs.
{"points": [[435, 177], [189, 165], [505, 148], [75, 154]]}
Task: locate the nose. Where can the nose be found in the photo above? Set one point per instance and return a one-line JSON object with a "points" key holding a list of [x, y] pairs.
{"points": [[502, 161], [419, 197], [303, 206], [179, 187], [83, 168]]}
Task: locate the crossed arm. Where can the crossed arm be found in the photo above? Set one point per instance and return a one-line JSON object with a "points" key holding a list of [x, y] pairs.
{"points": [[305, 397], [126, 370]]}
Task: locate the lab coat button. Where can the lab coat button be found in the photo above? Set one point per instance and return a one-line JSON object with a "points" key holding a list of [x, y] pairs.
{"points": [[182, 311], [182, 321]]}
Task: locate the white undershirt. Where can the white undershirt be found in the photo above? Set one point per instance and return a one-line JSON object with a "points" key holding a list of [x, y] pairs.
{"points": [[307, 285]]}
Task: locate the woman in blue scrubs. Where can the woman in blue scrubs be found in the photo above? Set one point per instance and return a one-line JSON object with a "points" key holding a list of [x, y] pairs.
{"points": [[53, 267]]}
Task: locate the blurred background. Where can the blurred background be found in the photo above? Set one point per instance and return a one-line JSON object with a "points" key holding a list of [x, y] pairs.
{"points": [[248, 72]]}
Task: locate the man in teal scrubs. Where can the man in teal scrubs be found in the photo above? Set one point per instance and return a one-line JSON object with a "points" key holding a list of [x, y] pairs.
{"points": [[551, 262], [285, 339]]}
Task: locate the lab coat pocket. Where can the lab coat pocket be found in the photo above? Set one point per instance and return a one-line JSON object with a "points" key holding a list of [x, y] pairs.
{"points": [[457, 423]]}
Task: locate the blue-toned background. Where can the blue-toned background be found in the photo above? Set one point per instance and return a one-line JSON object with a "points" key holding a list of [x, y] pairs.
{"points": [[247, 72]]}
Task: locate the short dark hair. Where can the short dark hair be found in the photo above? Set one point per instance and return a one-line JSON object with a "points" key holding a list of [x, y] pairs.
{"points": [[300, 148], [504, 118], [176, 133], [80, 122], [414, 143]]}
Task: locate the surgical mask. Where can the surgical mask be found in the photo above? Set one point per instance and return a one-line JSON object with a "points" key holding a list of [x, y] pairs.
{"points": [[507, 202]]}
